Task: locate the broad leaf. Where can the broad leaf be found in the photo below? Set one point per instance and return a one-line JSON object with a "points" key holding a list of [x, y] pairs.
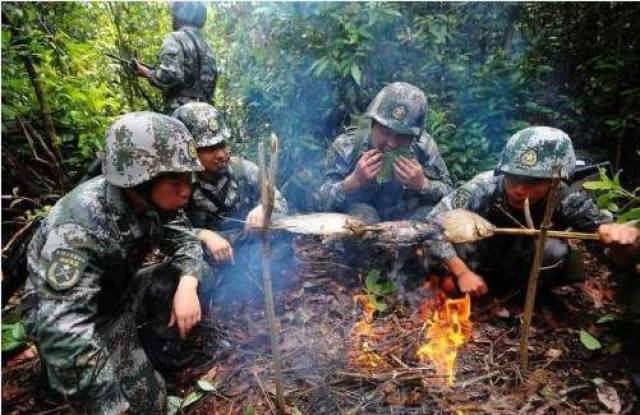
{"points": [[590, 342]]}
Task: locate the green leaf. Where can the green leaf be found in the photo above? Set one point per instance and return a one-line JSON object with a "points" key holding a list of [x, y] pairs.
{"points": [[173, 405], [590, 342], [355, 73], [191, 398], [596, 185], [606, 318], [205, 385], [13, 336], [631, 214]]}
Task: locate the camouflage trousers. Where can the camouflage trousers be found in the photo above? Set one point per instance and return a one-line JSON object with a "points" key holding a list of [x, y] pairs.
{"points": [[138, 388], [505, 262]]}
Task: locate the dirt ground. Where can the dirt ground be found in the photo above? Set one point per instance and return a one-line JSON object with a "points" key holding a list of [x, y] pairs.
{"points": [[322, 374]]}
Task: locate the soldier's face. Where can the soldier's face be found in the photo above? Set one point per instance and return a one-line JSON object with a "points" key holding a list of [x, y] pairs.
{"points": [[172, 191], [520, 188], [386, 139], [214, 159]]}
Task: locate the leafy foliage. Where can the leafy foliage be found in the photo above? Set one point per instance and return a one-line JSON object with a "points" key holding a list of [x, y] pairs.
{"points": [[624, 204], [307, 70], [377, 288], [13, 336]]}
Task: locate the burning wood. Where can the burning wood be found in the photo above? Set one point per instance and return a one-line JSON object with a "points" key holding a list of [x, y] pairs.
{"points": [[365, 354], [447, 330]]}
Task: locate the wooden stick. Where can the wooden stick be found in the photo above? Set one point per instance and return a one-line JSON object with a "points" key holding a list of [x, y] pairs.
{"points": [[267, 187], [550, 233], [535, 272]]}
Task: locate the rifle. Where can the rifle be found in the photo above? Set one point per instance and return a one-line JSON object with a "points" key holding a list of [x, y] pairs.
{"points": [[130, 64]]}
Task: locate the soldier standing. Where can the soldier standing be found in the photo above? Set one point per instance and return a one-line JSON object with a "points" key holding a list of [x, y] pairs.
{"points": [[186, 70], [355, 160], [525, 171], [85, 276]]}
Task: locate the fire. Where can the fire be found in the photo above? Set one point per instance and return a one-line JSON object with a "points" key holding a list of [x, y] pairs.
{"points": [[365, 355], [447, 330]]}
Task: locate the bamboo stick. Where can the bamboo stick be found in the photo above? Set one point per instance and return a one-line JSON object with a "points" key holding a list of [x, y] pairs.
{"points": [[267, 187], [535, 272], [550, 233]]}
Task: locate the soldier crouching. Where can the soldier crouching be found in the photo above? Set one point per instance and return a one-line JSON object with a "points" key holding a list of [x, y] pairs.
{"points": [[84, 268], [524, 174], [391, 171], [225, 207]]}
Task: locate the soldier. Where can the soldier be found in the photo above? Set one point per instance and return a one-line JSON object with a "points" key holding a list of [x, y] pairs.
{"points": [[525, 171], [227, 192], [85, 281], [355, 162], [187, 68]]}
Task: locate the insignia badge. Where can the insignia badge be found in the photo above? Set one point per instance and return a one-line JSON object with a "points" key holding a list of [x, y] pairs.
{"points": [[529, 158], [460, 199], [399, 112], [65, 269], [213, 124], [192, 150]]}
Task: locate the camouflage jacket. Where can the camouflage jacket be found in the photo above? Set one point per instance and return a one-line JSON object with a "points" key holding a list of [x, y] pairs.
{"points": [[485, 195], [232, 194], [186, 70], [342, 157], [82, 263]]}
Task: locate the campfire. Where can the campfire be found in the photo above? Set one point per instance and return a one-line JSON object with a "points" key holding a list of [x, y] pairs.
{"points": [[447, 330], [443, 323]]}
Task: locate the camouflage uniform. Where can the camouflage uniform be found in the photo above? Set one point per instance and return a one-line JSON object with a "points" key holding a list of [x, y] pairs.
{"points": [[81, 292], [231, 194], [187, 68], [533, 152], [400, 107]]}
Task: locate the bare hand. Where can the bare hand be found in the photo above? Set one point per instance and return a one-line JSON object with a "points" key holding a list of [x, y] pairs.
{"points": [[140, 69], [368, 167], [185, 310], [613, 233], [472, 283], [255, 219], [409, 173], [219, 247]]}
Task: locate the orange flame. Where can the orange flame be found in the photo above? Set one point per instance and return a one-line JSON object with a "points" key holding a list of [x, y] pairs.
{"points": [[447, 330], [366, 355]]}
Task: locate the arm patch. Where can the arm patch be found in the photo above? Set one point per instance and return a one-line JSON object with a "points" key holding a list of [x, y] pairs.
{"points": [[65, 269]]}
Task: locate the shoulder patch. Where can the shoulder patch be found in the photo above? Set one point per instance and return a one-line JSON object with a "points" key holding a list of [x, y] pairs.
{"points": [[460, 199], [65, 269]]}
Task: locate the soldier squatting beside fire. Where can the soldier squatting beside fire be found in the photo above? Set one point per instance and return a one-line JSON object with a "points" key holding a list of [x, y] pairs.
{"points": [[86, 286], [417, 180], [87, 290], [226, 193], [525, 170]]}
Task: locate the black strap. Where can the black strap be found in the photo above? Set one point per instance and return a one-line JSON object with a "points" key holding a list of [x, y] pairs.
{"points": [[197, 46]]}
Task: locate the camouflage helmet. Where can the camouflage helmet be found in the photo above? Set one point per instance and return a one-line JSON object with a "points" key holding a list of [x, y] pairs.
{"points": [[400, 107], [189, 12], [204, 122], [142, 145], [538, 152]]}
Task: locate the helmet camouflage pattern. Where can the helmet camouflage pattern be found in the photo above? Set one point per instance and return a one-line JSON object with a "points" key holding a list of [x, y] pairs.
{"points": [[400, 107], [538, 152], [204, 122], [189, 12], [142, 145]]}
